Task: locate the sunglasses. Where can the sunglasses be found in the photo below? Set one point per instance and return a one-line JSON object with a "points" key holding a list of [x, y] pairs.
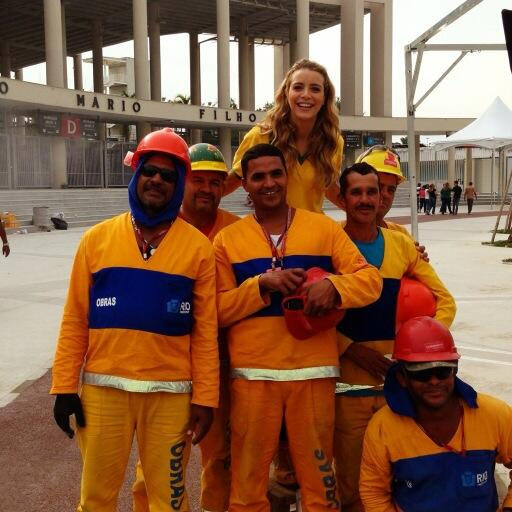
{"points": [[441, 373], [167, 175]]}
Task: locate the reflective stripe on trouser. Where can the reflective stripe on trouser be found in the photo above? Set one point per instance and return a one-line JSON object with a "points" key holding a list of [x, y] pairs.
{"points": [[159, 422], [215, 453], [352, 417], [257, 412]]}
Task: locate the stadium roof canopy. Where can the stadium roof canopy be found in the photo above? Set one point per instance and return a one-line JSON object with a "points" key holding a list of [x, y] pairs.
{"points": [[268, 21]]}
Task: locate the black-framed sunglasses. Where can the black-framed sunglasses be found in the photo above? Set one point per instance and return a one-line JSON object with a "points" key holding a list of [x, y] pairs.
{"points": [[167, 175], [440, 372]]}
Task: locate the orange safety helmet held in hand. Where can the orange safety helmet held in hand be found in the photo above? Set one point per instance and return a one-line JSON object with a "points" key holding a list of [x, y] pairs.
{"points": [[160, 141], [414, 299], [302, 326], [423, 339]]}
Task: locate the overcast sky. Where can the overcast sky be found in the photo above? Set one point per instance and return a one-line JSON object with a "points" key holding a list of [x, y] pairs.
{"points": [[466, 92]]}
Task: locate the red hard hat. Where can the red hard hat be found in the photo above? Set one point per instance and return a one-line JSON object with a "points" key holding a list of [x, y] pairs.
{"points": [[300, 325], [424, 339], [414, 299], [161, 141]]}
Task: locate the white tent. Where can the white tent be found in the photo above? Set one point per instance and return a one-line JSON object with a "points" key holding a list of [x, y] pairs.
{"points": [[492, 130]]}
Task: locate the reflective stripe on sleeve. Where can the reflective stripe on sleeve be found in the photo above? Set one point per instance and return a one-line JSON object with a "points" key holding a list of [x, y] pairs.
{"points": [[342, 388], [317, 372], [137, 386]]}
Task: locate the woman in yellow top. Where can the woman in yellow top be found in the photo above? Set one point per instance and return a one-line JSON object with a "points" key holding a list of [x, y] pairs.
{"points": [[304, 125]]}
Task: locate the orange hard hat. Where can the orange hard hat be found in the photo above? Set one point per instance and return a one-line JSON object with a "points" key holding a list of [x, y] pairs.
{"points": [[424, 339], [302, 326], [161, 141], [414, 299]]}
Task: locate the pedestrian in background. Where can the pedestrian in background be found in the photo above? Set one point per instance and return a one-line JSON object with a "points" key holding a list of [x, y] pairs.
{"points": [[446, 198], [422, 206], [470, 195], [418, 189], [457, 192], [5, 244], [432, 199]]}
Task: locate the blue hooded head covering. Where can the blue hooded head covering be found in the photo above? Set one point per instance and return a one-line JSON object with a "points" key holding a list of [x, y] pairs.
{"points": [[400, 402], [171, 210]]}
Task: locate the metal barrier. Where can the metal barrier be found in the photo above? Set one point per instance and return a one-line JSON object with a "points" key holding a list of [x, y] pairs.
{"points": [[31, 160], [433, 165], [5, 167], [116, 173], [85, 163]]}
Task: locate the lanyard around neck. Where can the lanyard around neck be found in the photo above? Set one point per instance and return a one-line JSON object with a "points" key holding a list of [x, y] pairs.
{"points": [[146, 245], [448, 447], [281, 242]]}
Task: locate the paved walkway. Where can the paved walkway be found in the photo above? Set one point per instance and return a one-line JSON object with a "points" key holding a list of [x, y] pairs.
{"points": [[40, 466]]}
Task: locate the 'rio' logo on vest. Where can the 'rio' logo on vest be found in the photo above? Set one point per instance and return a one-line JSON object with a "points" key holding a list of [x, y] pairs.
{"points": [[175, 306]]}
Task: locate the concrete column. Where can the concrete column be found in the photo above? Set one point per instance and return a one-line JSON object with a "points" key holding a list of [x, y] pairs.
{"points": [[18, 74], [97, 68], [252, 78], [77, 72], [53, 43], [154, 51], [352, 36], [278, 66], [195, 81], [381, 48], [55, 77], [286, 58], [302, 29], [243, 65], [451, 166], [64, 45], [5, 68], [223, 74], [292, 30], [97, 55], [468, 167], [141, 61]]}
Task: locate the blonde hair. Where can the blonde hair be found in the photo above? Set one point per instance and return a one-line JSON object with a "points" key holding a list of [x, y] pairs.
{"points": [[323, 140]]}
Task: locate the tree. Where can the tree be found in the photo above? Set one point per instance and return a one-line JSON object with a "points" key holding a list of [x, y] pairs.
{"points": [[403, 141], [181, 98], [268, 105]]}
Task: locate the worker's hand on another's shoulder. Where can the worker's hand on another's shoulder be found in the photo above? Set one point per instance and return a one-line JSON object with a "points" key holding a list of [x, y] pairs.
{"points": [[201, 418], [66, 405], [282, 281], [368, 359], [423, 253], [322, 297]]}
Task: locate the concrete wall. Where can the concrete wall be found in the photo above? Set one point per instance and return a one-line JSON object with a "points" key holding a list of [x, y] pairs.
{"points": [[482, 174]]}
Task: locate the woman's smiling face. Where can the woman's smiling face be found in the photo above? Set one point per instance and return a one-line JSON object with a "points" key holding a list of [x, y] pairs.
{"points": [[306, 95]]}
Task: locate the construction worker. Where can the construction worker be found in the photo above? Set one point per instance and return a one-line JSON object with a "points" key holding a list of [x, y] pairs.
{"points": [[140, 322], [200, 207], [435, 444], [276, 377], [366, 335], [386, 162]]}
